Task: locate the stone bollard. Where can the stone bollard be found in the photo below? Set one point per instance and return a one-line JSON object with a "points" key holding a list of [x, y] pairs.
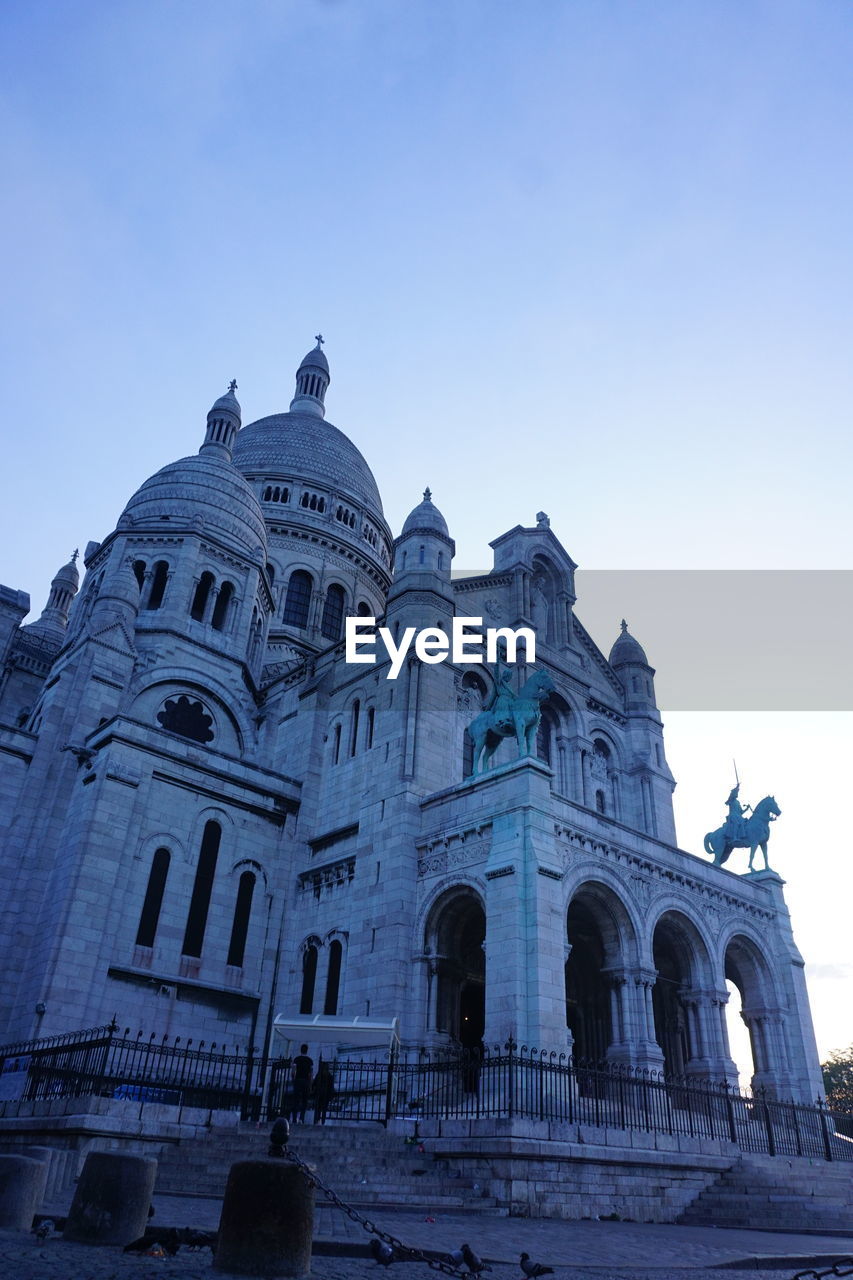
{"points": [[21, 1187], [112, 1199], [45, 1156], [267, 1221]]}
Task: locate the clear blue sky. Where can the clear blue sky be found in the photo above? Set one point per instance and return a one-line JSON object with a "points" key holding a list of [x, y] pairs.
{"points": [[590, 258]]}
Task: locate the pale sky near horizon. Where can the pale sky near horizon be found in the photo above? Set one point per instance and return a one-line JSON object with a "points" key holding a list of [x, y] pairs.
{"points": [[591, 258]]}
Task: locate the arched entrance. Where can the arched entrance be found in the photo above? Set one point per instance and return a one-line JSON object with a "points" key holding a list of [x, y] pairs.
{"points": [[677, 948], [600, 937], [760, 1052], [459, 970]]}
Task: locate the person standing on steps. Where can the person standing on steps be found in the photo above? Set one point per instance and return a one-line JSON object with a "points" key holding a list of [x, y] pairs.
{"points": [[303, 1070]]}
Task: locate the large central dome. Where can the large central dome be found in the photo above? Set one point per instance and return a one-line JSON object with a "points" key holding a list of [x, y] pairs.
{"points": [[305, 446]]}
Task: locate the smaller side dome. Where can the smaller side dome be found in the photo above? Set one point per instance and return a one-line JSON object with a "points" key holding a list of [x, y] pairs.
{"points": [[54, 617], [223, 422], [627, 650], [312, 382], [427, 518]]}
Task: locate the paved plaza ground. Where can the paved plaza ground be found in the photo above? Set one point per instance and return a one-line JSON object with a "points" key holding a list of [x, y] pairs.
{"points": [[576, 1250]]}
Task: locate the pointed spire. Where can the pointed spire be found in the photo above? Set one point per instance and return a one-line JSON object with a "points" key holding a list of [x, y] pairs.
{"points": [[312, 382], [63, 589], [223, 423]]}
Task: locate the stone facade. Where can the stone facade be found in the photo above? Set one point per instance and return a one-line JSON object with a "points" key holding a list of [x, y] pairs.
{"points": [[210, 817]]}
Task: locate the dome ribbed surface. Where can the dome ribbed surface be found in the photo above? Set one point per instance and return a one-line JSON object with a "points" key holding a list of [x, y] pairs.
{"points": [[315, 359], [205, 486], [306, 447], [627, 649], [426, 515]]}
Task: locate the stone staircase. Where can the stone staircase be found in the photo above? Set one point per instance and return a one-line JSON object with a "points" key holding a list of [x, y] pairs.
{"points": [[362, 1163], [776, 1193]]}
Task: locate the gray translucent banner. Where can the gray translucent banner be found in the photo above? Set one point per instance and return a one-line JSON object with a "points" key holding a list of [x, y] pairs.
{"points": [[731, 640]]}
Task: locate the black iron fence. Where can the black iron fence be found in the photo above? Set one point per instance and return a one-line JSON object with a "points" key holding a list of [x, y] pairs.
{"points": [[108, 1062], [505, 1082]]}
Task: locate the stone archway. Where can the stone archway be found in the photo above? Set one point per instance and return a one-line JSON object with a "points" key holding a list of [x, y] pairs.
{"points": [[455, 939], [600, 998], [683, 1030], [746, 969]]}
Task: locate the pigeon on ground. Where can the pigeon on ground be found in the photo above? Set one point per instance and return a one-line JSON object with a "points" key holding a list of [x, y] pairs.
{"points": [[382, 1252], [474, 1264], [44, 1228], [195, 1239], [455, 1258], [534, 1269]]}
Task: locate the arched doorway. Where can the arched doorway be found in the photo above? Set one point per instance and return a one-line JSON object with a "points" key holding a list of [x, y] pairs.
{"points": [[677, 949], [757, 1044], [587, 993], [601, 943], [456, 940]]}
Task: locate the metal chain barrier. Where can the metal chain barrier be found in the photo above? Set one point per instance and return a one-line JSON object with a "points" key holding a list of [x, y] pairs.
{"points": [[844, 1267], [403, 1252]]}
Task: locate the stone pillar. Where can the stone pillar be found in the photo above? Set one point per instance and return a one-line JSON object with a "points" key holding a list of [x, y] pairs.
{"points": [[525, 983], [21, 1189], [562, 765], [112, 1199], [267, 1220]]}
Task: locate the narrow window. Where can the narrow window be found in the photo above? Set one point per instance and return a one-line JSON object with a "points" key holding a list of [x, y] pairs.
{"points": [[202, 889], [158, 584], [240, 927], [150, 916], [363, 610], [139, 572], [333, 981], [467, 754], [271, 573], [309, 977], [354, 733], [202, 591], [599, 801], [333, 613], [298, 599], [543, 740], [422, 555], [337, 743], [220, 609], [403, 564], [371, 722], [267, 493], [441, 559]]}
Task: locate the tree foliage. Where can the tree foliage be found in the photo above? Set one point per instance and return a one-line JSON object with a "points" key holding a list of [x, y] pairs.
{"points": [[838, 1079]]}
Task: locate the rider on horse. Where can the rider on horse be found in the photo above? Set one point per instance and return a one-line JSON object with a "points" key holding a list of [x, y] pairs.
{"points": [[735, 828]]}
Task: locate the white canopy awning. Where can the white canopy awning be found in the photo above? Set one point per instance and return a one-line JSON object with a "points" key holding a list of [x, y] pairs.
{"points": [[323, 1028]]}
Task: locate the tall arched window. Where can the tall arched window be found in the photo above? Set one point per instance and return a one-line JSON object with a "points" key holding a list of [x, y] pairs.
{"points": [[158, 585], [337, 746], [150, 916], [202, 591], [240, 927], [202, 889], [298, 599], [333, 613], [353, 742], [363, 610], [467, 754], [220, 609], [371, 726], [333, 981], [309, 977], [139, 572], [543, 738]]}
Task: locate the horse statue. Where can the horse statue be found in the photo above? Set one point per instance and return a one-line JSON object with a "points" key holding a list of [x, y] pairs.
{"points": [[752, 833], [509, 714]]}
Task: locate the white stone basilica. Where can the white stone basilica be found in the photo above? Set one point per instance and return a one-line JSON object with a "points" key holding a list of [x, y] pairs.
{"points": [[209, 817]]}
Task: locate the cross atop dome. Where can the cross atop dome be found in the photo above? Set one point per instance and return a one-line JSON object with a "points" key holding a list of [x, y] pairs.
{"points": [[319, 339], [427, 494], [232, 385]]}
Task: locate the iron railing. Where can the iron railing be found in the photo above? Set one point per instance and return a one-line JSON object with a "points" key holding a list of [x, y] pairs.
{"points": [[107, 1062], [508, 1081]]}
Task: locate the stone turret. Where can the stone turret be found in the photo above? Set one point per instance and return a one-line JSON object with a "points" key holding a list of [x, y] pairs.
{"points": [[223, 423], [54, 617], [312, 382], [425, 545], [653, 781]]}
